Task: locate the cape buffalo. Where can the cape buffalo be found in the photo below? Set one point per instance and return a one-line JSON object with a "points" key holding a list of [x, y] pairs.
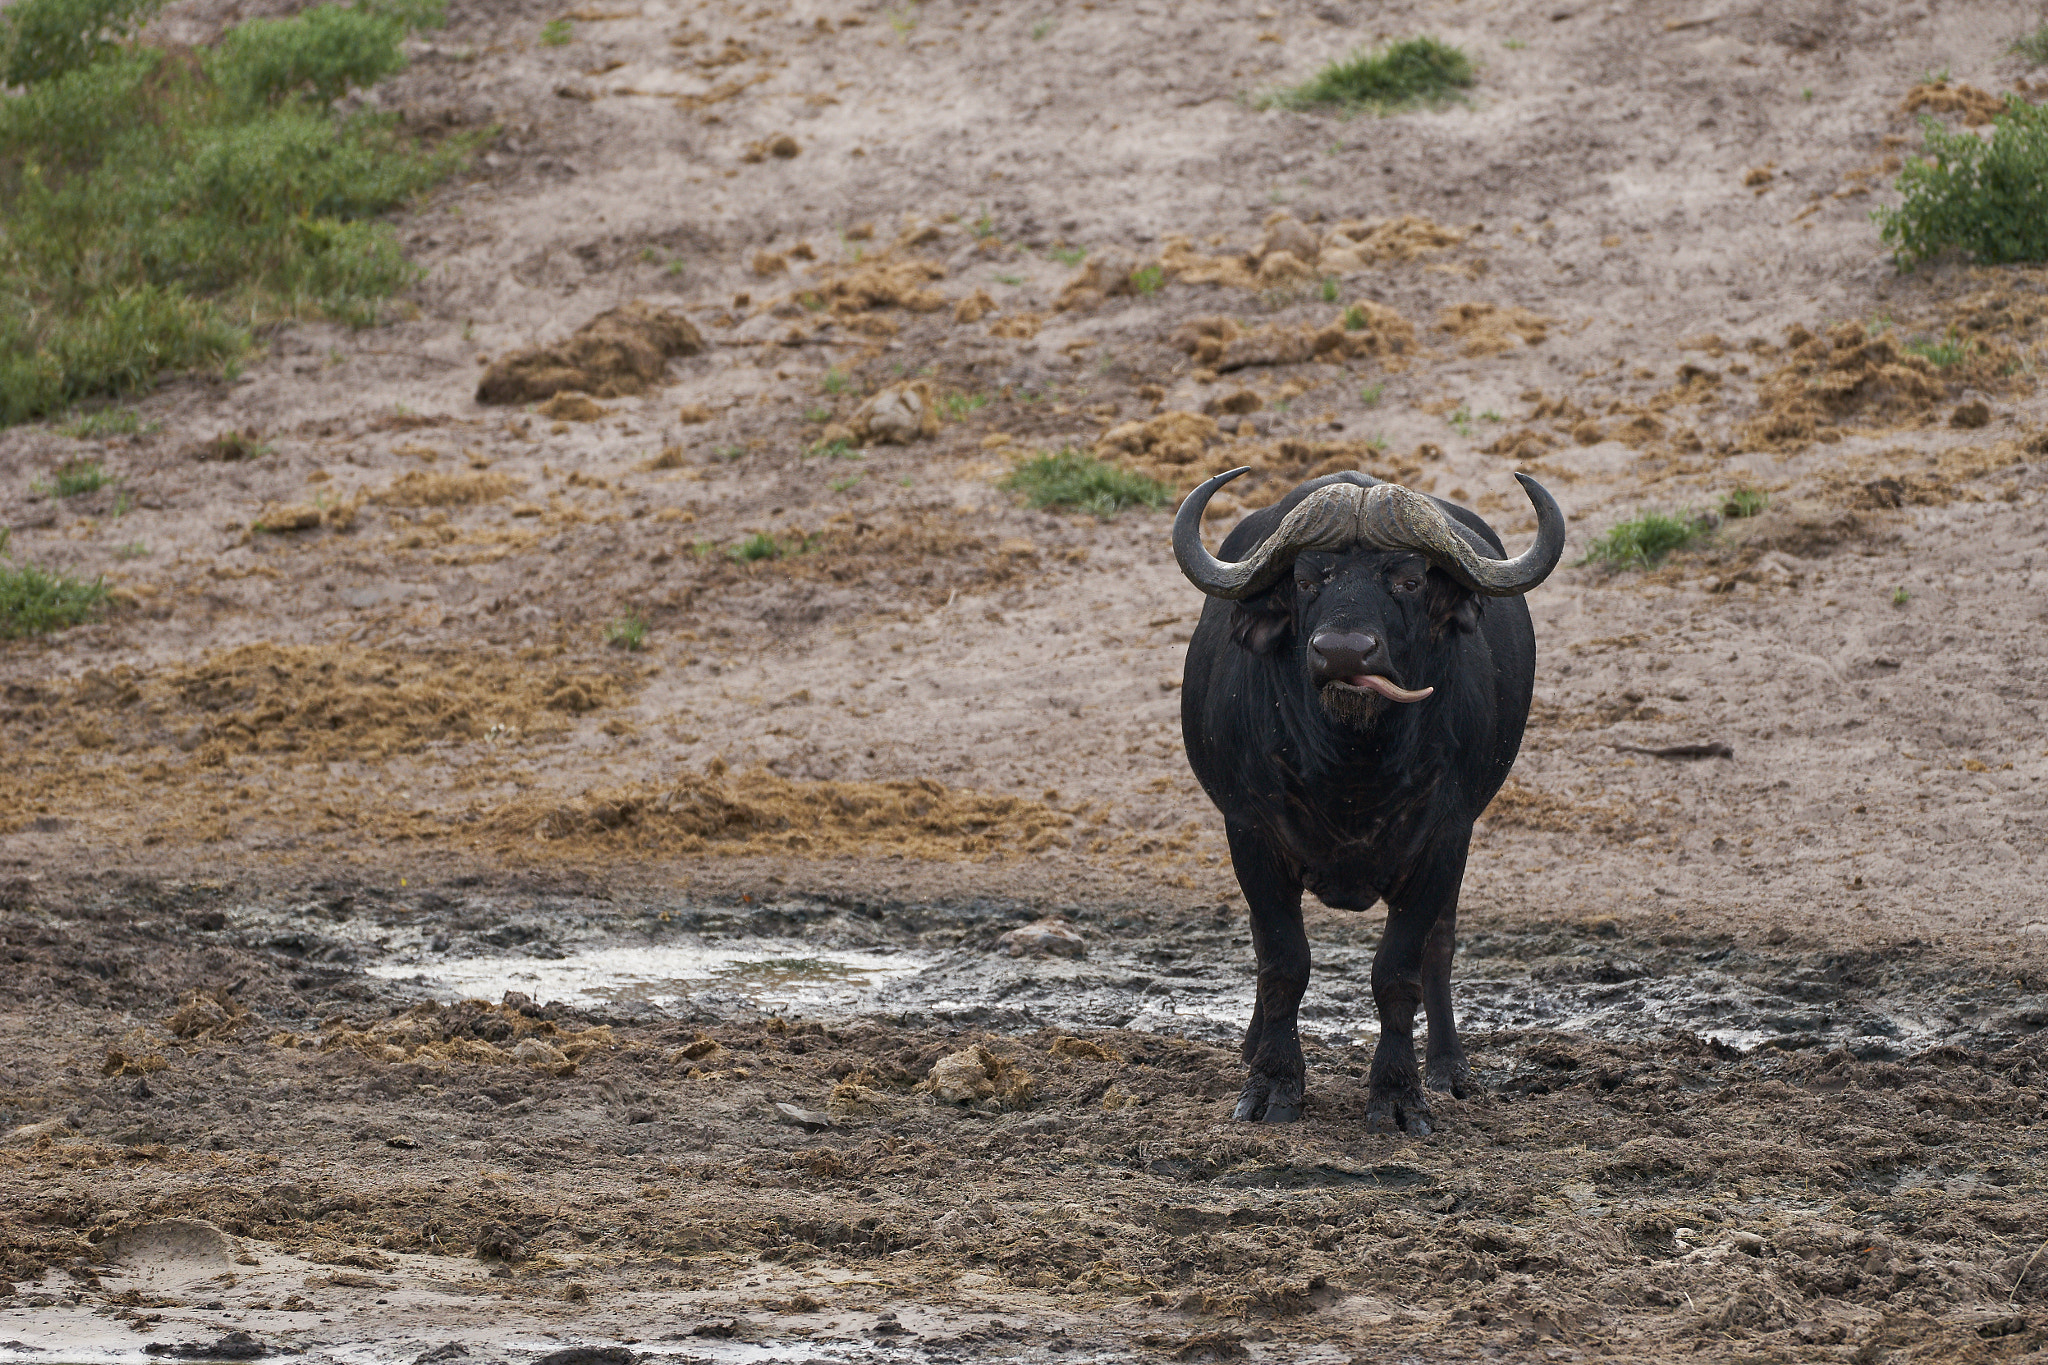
{"points": [[1353, 699]]}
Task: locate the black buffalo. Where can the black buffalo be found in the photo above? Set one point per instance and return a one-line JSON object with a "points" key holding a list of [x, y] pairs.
{"points": [[1355, 695]]}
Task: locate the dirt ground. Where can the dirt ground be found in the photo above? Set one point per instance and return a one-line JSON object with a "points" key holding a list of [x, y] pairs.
{"points": [[356, 689]]}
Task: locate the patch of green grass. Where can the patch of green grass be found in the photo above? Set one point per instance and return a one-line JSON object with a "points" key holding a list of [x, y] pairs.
{"points": [[1985, 197], [1644, 539], [157, 205], [839, 448], [1461, 420], [983, 227], [628, 632], [818, 414], [1070, 255], [1900, 597], [1330, 292], [1010, 279], [1514, 44], [903, 20], [1950, 351], [1489, 416], [33, 602], [1377, 443], [2034, 46], [74, 477], [844, 485], [1354, 318], [557, 33], [1079, 482], [134, 549], [1414, 71], [835, 381], [124, 503], [759, 545], [1806, 94], [94, 426], [730, 453], [1147, 280], [1371, 394], [956, 407], [1743, 501], [1040, 29]]}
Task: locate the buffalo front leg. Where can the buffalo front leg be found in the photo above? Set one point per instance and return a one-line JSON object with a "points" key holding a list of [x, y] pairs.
{"points": [[1272, 1046], [1416, 911]]}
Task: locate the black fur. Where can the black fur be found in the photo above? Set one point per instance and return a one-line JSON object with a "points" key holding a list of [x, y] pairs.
{"points": [[1352, 796]]}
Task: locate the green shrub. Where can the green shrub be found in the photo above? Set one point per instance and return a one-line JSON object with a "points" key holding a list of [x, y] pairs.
{"points": [[74, 477], [147, 198], [1645, 539], [1414, 71], [1072, 479], [759, 545], [1985, 197], [33, 602], [41, 40]]}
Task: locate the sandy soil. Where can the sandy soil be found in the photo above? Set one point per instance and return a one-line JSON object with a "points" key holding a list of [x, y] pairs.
{"points": [[357, 671]]}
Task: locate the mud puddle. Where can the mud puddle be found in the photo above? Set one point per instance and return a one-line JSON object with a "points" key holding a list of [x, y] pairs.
{"points": [[940, 965]]}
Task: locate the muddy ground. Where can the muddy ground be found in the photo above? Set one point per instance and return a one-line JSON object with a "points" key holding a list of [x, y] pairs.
{"points": [[1762, 1034]]}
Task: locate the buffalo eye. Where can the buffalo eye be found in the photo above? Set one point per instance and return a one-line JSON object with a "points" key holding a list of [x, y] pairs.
{"points": [[1407, 582]]}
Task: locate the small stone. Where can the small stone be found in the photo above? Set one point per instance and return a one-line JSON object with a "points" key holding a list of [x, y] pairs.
{"points": [[1971, 415], [804, 1118], [1044, 938]]}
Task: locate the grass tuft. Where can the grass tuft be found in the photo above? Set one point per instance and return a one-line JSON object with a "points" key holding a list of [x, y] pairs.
{"points": [[1645, 539], [2034, 46], [1414, 71], [1744, 501], [759, 545], [74, 477], [33, 602], [157, 204], [1077, 481], [627, 633], [1950, 351]]}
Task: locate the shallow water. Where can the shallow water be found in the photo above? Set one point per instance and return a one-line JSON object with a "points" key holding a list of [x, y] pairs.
{"points": [[769, 976]]}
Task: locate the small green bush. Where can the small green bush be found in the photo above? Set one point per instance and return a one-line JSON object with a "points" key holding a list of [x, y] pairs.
{"points": [[557, 33], [1644, 540], [33, 602], [1072, 479], [1985, 197], [1414, 71]]}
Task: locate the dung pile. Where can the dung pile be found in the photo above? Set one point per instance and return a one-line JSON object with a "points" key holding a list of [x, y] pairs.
{"points": [[430, 488], [1174, 448], [759, 812], [471, 1033], [1291, 252], [325, 703], [1977, 107], [885, 281], [1904, 477], [1488, 329], [1223, 344], [622, 351], [1846, 374]]}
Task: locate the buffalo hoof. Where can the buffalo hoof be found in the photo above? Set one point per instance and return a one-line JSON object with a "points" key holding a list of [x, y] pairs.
{"points": [[1450, 1075], [1406, 1113], [1269, 1099]]}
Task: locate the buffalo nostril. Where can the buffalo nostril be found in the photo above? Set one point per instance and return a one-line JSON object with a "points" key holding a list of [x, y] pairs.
{"points": [[1344, 653]]}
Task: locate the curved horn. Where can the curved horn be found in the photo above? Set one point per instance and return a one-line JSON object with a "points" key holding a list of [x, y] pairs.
{"points": [[1326, 519], [1394, 518]]}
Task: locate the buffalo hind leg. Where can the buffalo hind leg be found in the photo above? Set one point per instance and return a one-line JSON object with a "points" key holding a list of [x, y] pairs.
{"points": [[1272, 1046], [1444, 1065]]}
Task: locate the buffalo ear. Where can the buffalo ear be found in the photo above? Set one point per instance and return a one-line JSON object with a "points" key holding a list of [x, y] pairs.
{"points": [[1261, 625], [1452, 606]]}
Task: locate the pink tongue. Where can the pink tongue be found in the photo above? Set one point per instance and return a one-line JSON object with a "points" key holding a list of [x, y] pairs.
{"points": [[1387, 689]]}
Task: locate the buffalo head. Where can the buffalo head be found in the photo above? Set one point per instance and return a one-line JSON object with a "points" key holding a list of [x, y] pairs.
{"points": [[1365, 581]]}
